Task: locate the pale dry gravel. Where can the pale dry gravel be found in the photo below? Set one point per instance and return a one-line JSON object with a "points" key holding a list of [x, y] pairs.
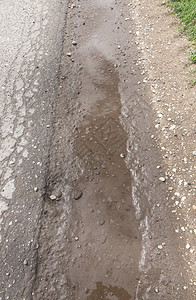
{"points": [[163, 55]]}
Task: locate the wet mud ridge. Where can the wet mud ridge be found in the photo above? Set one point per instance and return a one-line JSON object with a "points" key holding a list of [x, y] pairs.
{"points": [[103, 233]]}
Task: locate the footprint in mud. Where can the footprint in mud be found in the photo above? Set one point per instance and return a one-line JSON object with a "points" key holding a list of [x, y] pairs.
{"points": [[108, 292]]}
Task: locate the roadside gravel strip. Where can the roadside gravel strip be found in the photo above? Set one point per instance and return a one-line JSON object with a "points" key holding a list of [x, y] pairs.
{"points": [[30, 48], [167, 74]]}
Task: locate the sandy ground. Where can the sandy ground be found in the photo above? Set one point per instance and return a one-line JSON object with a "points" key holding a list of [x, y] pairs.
{"points": [[164, 56]]}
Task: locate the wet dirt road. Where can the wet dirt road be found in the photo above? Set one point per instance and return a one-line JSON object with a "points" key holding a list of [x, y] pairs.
{"points": [[106, 232]]}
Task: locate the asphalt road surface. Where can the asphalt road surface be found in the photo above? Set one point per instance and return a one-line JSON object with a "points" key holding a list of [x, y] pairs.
{"points": [[31, 43], [82, 205]]}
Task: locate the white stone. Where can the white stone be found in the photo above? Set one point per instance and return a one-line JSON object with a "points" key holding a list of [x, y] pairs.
{"points": [[8, 189], [162, 179], [188, 246]]}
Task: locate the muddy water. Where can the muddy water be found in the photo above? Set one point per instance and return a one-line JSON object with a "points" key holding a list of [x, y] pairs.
{"points": [[99, 237], [109, 241]]}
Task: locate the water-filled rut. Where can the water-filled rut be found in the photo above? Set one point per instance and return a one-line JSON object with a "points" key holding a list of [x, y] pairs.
{"points": [[102, 199], [109, 237]]}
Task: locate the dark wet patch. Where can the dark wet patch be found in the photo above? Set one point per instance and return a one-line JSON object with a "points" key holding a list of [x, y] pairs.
{"points": [[103, 133], [108, 232], [108, 292], [93, 234], [96, 234]]}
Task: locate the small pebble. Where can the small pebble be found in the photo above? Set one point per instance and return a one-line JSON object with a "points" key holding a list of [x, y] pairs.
{"points": [[188, 246], [57, 193], [77, 195], [102, 222], [162, 179], [52, 197]]}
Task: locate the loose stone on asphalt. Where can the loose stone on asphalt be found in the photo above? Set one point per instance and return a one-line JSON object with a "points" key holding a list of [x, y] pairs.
{"points": [[31, 39]]}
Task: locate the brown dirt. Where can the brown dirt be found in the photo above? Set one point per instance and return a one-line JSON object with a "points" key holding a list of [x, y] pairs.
{"points": [[110, 233]]}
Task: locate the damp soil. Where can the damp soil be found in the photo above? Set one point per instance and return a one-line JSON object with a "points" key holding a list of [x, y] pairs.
{"points": [[100, 230]]}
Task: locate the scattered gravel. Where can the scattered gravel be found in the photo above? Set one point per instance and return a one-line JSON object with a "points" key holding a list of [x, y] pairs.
{"points": [[164, 59]]}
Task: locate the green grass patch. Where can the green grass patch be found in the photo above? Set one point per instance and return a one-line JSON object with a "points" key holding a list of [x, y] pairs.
{"points": [[192, 57], [186, 11], [193, 72], [192, 83]]}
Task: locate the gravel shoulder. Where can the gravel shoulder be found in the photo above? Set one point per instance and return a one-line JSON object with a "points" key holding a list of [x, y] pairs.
{"points": [[163, 53]]}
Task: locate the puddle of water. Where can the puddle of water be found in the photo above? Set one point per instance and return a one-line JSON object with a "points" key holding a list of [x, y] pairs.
{"points": [[108, 292], [108, 241], [103, 133], [108, 231], [102, 245]]}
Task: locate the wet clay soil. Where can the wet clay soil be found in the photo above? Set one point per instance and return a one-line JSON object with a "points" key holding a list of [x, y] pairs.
{"points": [[95, 235]]}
